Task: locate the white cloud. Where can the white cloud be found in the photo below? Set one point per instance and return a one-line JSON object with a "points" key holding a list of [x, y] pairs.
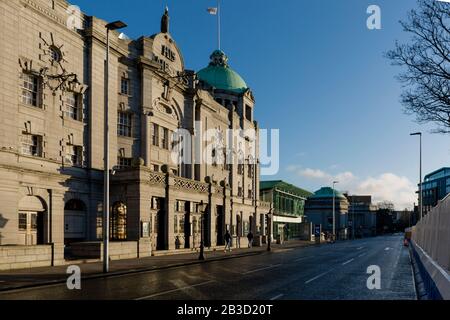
{"points": [[386, 187], [314, 174], [389, 187]]}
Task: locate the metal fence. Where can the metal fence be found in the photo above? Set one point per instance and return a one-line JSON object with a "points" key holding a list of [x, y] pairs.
{"points": [[432, 233]]}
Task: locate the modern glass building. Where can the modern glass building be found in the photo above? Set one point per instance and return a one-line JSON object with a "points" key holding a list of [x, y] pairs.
{"points": [[288, 205], [435, 187]]}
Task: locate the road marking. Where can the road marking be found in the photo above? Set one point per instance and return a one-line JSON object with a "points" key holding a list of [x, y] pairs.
{"points": [[174, 290], [262, 269], [387, 249], [360, 248], [319, 276], [277, 297], [362, 255], [300, 259], [347, 262]]}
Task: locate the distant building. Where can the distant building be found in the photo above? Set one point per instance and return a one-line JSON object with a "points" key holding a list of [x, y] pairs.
{"points": [[288, 207], [319, 210], [435, 187], [362, 216]]}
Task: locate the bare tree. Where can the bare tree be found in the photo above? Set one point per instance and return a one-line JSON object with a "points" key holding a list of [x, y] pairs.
{"points": [[426, 59], [386, 205]]}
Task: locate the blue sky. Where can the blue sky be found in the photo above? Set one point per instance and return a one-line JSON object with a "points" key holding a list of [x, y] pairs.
{"points": [[318, 74]]}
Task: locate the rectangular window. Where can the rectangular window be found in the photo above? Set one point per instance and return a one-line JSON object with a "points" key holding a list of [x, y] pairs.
{"points": [[155, 168], [240, 192], [125, 86], [74, 155], [155, 135], [250, 171], [72, 108], [22, 221], [31, 145], [124, 124], [30, 89], [248, 113], [250, 193], [240, 169], [124, 163], [165, 139]]}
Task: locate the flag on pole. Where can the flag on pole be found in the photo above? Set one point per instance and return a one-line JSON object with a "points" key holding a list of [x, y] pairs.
{"points": [[213, 11]]}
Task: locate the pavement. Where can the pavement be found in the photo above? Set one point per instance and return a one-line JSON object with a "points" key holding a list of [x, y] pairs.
{"points": [[28, 278], [327, 272]]}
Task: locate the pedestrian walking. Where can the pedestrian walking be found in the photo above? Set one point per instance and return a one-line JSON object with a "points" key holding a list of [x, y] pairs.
{"points": [[250, 239], [227, 241]]}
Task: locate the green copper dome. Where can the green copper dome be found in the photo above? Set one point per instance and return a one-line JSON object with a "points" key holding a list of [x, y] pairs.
{"points": [[220, 76], [327, 192]]}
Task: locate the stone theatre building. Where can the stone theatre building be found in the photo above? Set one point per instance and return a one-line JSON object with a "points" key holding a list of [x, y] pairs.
{"points": [[52, 78]]}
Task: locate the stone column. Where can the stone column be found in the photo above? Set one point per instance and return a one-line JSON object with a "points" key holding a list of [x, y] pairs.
{"points": [[56, 211], [212, 208], [169, 214]]}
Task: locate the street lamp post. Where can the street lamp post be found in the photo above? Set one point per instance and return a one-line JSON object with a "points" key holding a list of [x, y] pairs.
{"points": [[201, 257], [420, 173], [269, 230], [109, 27], [334, 210]]}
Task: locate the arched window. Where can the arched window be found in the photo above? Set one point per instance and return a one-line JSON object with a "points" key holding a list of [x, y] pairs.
{"points": [[74, 205], [118, 222]]}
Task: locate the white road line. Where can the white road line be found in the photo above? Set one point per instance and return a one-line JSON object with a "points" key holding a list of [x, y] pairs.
{"points": [[262, 269], [387, 249], [277, 297], [300, 259], [174, 290], [360, 248], [361, 255], [319, 276], [347, 262]]}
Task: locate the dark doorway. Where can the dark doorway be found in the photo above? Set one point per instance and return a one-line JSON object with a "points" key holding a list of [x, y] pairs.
{"points": [[207, 227], [187, 225], [40, 228], [220, 222], [161, 226]]}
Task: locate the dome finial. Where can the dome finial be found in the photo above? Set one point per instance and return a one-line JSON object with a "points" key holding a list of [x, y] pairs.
{"points": [[219, 58], [165, 21]]}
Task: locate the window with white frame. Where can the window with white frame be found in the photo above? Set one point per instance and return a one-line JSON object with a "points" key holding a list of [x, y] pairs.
{"points": [[72, 106], [123, 162], [125, 86], [31, 145], [155, 135], [74, 155], [30, 89], [165, 139], [124, 124]]}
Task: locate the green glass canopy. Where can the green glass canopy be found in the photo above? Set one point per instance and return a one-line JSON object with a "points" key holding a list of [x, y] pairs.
{"points": [[220, 76]]}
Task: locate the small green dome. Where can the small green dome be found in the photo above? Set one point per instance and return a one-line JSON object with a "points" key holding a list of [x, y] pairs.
{"points": [[220, 76], [327, 192]]}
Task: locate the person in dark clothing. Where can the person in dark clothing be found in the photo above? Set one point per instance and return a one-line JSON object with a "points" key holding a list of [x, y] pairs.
{"points": [[227, 241], [250, 239]]}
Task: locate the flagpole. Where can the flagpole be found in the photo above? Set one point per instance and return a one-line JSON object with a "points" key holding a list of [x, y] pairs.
{"points": [[218, 24]]}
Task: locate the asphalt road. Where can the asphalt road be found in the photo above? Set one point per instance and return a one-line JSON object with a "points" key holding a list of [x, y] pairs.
{"points": [[327, 272]]}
